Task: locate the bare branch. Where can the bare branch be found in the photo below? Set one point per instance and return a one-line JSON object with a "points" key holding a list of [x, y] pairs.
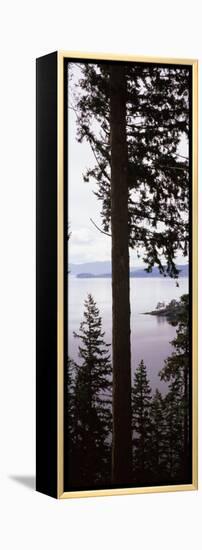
{"points": [[101, 230], [98, 163], [176, 154], [72, 108]]}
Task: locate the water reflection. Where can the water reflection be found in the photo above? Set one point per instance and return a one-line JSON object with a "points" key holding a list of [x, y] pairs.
{"points": [[150, 334], [160, 419]]}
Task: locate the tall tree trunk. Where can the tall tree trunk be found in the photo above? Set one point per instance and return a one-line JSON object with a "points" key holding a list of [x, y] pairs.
{"points": [[122, 435]]}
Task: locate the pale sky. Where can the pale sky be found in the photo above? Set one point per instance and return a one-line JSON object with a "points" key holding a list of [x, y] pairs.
{"points": [[87, 244]]}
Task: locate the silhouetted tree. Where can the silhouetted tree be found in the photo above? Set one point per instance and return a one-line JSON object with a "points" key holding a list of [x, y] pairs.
{"points": [[141, 424], [91, 403], [134, 117], [160, 305], [174, 430], [155, 117], [70, 417], [177, 372], [159, 439], [122, 436]]}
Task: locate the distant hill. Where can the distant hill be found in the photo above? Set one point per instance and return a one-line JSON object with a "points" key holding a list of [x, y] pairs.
{"points": [[95, 268], [184, 271], [103, 270]]}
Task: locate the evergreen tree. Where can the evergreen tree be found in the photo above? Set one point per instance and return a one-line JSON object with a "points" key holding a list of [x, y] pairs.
{"points": [[92, 402], [159, 437], [134, 117], [177, 372], [122, 436], [70, 418], [174, 431], [141, 424], [156, 107]]}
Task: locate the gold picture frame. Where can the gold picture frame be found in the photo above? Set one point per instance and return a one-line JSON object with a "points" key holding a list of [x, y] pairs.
{"points": [[61, 56]]}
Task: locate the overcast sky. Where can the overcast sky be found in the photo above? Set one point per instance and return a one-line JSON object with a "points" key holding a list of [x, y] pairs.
{"points": [[87, 244]]}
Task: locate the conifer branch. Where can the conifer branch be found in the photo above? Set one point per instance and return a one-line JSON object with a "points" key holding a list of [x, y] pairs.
{"points": [[100, 230]]}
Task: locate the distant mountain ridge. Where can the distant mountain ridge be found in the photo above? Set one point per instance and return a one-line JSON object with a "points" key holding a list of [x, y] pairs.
{"points": [[95, 270]]}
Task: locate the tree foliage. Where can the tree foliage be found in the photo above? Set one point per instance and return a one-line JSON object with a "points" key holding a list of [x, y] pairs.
{"points": [[141, 423], [159, 439], [176, 373], [157, 121], [161, 424], [89, 403]]}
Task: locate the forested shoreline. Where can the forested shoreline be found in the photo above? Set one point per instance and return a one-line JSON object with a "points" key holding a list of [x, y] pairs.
{"points": [[160, 424]]}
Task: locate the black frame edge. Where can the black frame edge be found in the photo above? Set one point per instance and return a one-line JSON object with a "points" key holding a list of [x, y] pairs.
{"points": [[46, 274]]}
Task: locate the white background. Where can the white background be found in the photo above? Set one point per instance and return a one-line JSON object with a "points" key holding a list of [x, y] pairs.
{"points": [[30, 29]]}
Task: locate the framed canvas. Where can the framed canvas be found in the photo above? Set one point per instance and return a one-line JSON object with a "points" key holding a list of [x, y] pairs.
{"points": [[117, 200]]}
